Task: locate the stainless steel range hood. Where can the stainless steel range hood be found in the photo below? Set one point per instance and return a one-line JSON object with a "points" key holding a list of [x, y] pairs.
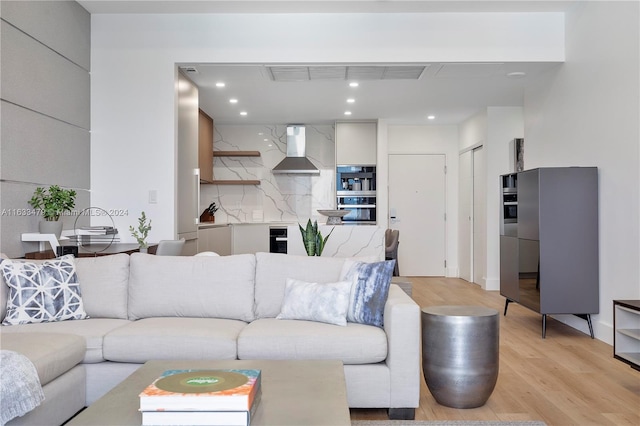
{"points": [[295, 161]]}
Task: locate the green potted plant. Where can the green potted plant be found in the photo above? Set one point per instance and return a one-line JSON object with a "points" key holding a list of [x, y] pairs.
{"points": [[312, 238], [52, 203], [141, 233]]}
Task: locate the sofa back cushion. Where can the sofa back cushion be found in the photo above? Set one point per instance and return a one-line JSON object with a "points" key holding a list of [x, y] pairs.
{"points": [[272, 271], [104, 281], [192, 286]]}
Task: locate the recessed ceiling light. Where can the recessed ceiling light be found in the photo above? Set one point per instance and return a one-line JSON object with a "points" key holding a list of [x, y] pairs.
{"points": [[265, 139], [350, 100], [243, 112], [353, 84], [233, 100], [260, 134], [347, 113], [431, 117], [220, 84], [516, 74]]}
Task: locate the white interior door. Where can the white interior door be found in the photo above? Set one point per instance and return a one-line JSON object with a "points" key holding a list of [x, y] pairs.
{"points": [[465, 203], [417, 210]]}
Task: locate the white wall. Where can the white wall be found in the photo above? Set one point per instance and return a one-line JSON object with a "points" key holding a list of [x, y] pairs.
{"points": [[133, 59], [586, 114], [494, 128], [435, 140]]}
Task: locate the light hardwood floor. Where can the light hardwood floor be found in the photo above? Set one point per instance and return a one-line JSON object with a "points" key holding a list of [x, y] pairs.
{"points": [[565, 379]]}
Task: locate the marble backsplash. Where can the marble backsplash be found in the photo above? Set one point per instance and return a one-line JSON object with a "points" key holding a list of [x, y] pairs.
{"points": [[279, 197]]}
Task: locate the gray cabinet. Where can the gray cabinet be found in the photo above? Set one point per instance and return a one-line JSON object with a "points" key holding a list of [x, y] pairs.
{"points": [[216, 238], [550, 265]]}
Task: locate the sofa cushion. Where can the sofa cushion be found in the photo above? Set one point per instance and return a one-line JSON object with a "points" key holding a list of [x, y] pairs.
{"points": [[173, 338], [104, 281], [53, 354], [92, 330], [270, 338], [192, 286], [43, 292], [272, 271], [316, 302]]}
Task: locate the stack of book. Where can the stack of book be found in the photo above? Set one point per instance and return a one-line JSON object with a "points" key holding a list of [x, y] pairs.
{"points": [[202, 397], [97, 230]]}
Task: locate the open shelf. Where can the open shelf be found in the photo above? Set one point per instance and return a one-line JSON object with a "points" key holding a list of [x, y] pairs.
{"points": [[233, 182], [236, 153]]}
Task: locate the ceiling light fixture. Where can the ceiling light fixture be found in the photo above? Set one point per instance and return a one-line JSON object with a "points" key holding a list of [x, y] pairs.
{"points": [[350, 100], [347, 113], [243, 112], [353, 84], [220, 84], [233, 100], [431, 117], [516, 74]]}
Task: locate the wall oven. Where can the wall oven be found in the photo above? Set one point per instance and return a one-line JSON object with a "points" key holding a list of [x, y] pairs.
{"points": [[278, 239], [357, 193], [362, 207]]}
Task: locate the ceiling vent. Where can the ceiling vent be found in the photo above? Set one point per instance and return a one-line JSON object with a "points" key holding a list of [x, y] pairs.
{"points": [[357, 72], [189, 70]]}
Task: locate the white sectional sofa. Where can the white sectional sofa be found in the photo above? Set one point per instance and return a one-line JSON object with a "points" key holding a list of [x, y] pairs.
{"points": [[144, 307]]}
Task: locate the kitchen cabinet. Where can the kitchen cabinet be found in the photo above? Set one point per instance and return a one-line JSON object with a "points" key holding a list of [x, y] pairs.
{"points": [[205, 147], [216, 238], [550, 264], [626, 332], [250, 238], [356, 143], [188, 173]]}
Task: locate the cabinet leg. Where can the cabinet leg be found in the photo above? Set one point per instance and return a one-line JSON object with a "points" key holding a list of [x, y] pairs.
{"points": [[587, 317], [506, 305], [544, 325]]}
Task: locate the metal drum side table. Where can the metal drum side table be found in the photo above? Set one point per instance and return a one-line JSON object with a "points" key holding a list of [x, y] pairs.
{"points": [[460, 354]]}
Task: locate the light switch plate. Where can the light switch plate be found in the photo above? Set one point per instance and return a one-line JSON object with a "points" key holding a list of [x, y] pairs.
{"points": [[153, 196]]}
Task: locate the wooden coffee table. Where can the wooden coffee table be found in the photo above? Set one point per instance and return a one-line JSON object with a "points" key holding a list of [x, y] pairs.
{"points": [[293, 393]]}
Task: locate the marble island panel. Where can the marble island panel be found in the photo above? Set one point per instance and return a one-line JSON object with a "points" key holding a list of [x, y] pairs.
{"points": [[345, 241]]}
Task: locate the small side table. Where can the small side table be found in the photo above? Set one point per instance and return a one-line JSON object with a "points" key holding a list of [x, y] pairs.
{"points": [[460, 354]]}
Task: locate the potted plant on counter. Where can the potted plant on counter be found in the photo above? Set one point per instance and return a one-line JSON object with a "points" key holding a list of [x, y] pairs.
{"points": [[142, 232], [52, 203], [312, 238]]}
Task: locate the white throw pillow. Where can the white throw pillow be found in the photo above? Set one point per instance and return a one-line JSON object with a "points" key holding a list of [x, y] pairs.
{"points": [[326, 303], [44, 292]]}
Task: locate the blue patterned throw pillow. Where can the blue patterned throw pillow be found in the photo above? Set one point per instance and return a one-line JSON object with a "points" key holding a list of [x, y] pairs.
{"points": [[316, 302], [370, 289], [42, 292]]}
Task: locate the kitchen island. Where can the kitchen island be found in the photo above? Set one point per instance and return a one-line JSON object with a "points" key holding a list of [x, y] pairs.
{"points": [[345, 240]]}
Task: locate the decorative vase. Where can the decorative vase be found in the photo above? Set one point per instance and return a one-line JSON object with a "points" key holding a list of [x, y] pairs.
{"points": [[51, 227], [144, 249]]}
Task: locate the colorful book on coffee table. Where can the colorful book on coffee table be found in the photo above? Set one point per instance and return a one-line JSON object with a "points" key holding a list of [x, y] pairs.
{"points": [[202, 390]]}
